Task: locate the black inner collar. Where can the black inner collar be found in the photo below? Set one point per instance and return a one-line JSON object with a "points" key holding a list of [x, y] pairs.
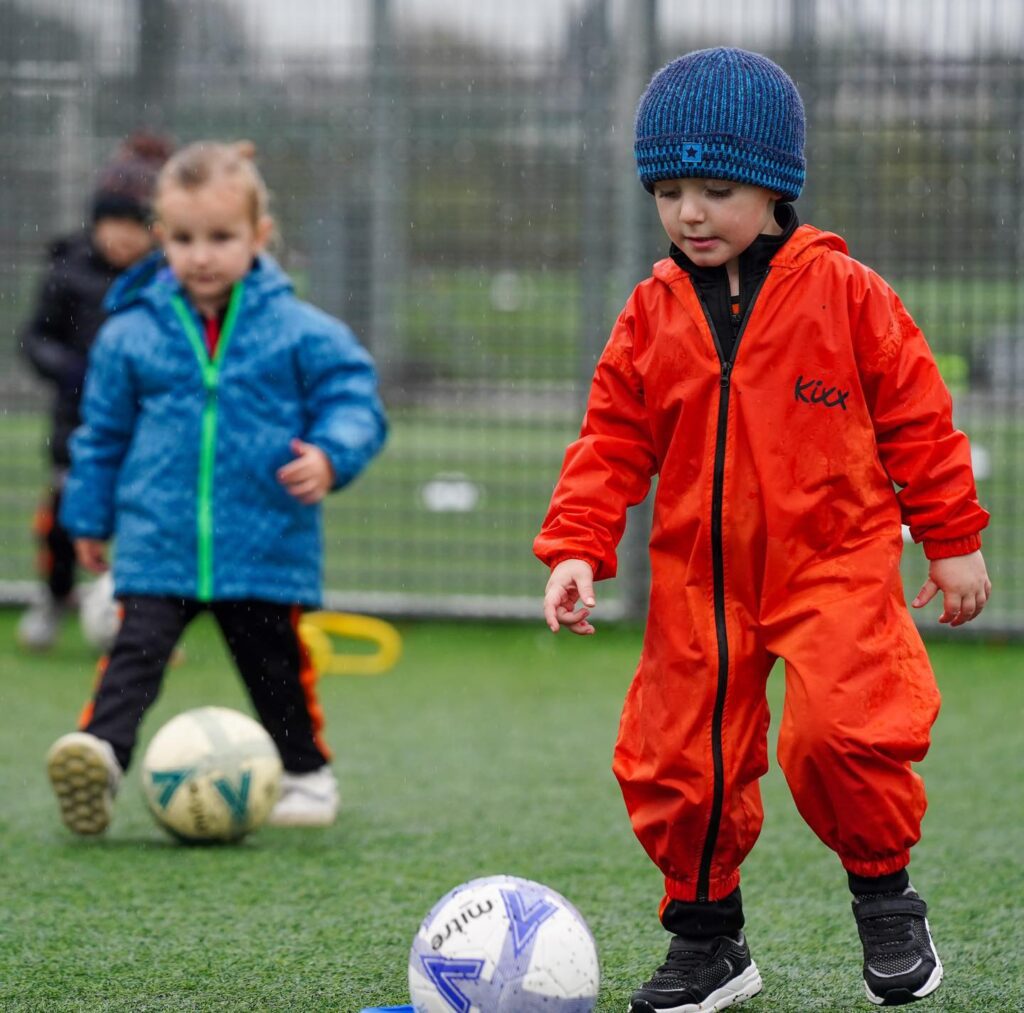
{"points": [[712, 283]]}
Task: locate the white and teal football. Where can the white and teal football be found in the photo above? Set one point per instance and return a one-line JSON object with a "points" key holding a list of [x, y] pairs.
{"points": [[211, 774], [503, 945]]}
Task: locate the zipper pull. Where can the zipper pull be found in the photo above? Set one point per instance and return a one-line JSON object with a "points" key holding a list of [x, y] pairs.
{"points": [[726, 373]]}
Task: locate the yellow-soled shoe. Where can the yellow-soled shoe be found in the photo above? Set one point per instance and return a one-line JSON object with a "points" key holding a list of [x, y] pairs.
{"points": [[85, 778]]}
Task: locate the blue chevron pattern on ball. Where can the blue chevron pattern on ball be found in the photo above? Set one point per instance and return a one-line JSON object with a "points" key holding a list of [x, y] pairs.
{"points": [[501, 944]]}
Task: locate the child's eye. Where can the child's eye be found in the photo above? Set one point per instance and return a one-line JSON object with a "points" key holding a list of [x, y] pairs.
{"points": [[221, 237], [181, 237], [719, 193], [666, 194]]}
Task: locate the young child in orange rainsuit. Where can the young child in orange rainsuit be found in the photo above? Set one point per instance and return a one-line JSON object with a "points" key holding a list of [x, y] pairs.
{"points": [[795, 417]]}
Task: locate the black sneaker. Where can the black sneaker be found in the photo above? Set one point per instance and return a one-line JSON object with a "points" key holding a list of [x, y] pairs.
{"points": [[700, 976], [900, 962]]}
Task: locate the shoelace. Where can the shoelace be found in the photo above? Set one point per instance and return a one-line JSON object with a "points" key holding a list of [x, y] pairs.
{"points": [[681, 961], [890, 933]]}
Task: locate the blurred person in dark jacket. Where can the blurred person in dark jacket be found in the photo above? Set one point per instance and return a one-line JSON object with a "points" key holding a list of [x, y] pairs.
{"points": [[56, 341]]}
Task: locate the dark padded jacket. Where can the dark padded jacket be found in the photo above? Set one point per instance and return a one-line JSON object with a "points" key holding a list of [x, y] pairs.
{"points": [[68, 313]]}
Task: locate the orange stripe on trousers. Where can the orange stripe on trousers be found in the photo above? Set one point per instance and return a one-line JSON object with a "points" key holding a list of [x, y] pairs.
{"points": [[307, 679]]}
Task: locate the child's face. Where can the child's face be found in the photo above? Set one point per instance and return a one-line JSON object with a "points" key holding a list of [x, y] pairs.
{"points": [[121, 241], [209, 237], [714, 220]]}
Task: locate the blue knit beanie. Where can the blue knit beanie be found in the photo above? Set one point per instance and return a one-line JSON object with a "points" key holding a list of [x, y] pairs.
{"points": [[722, 114]]}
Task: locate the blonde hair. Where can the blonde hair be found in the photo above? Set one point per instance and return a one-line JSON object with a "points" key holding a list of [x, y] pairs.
{"points": [[206, 161]]}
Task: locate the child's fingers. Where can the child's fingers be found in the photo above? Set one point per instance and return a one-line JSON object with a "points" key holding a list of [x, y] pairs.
{"points": [[574, 619], [951, 602], [560, 609], [568, 615], [553, 597], [306, 490], [95, 562], [585, 589], [969, 608], [91, 554], [293, 469], [928, 591]]}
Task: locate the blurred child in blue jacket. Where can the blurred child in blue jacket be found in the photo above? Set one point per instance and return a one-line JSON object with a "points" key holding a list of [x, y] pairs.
{"points": [[219, 410]]}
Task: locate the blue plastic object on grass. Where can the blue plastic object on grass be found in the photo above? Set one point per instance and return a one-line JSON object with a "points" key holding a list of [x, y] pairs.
{"points": [[389, 1009]]}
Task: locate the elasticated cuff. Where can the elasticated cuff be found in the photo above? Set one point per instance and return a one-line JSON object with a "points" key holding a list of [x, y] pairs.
{"points": [[686, 889], [875, 867], [563, 556], [952, 547]]}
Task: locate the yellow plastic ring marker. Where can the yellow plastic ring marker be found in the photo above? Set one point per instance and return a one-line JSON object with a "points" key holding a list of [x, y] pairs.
{"points": [[317, 628]]}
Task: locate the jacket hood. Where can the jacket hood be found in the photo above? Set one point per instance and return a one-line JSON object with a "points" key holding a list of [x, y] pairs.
{"points": [[152, 282], [806, 244]]}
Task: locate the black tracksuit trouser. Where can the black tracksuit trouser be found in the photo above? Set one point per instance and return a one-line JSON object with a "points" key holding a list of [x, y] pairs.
{"points": [[263, 640], [56, 550]]}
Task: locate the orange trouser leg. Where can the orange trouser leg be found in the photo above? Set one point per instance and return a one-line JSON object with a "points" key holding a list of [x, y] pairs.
{"points": [[665, 754], [860, 702]]}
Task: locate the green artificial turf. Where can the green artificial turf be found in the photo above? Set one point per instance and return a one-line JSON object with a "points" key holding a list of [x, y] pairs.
{"points": [[485, 751]]}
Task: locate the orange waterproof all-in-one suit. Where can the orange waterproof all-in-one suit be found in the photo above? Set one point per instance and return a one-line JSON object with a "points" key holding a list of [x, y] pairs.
{"points": [[785, 470]]}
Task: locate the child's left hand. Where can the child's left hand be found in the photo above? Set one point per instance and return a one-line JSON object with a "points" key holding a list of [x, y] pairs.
{"points": [[310, 476], [965, 587]]}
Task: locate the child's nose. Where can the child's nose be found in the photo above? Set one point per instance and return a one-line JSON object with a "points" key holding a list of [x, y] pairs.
{"points": [[690, 210]]}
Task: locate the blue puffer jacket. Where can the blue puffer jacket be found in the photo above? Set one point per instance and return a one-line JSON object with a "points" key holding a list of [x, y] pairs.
{"points": [[177, 456]]}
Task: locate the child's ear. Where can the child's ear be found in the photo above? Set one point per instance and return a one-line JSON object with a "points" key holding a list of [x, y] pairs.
{"points": [[264, 230], [158, 231]]}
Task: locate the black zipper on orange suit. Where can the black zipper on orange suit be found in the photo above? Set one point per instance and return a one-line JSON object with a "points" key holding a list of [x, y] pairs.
{"points": [[712, 288]]}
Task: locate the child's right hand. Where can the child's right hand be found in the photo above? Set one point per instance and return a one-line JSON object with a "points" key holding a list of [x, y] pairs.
{"points": [[92, 554], [571, 582]]}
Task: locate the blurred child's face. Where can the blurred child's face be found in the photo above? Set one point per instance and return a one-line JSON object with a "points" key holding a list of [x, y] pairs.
{"points": [[121, 241], [714, 220], [210, 238]]}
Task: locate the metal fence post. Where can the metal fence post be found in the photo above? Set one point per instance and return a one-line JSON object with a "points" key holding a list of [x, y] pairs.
{"points": [[635, 255], [387, 188], [596, 238]]}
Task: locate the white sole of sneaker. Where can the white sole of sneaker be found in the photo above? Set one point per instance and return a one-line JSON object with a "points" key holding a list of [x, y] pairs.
{"points": [[925, 990], [301, 820], [81, 782], [743, 987], [907, 997]]}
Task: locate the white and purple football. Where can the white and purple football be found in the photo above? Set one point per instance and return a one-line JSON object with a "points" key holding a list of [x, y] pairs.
{"points": [[503, 945]]}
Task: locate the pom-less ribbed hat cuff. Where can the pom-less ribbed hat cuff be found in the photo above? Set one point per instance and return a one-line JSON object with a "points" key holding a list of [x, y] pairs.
{"points": [[119, 205], [718, 156]]}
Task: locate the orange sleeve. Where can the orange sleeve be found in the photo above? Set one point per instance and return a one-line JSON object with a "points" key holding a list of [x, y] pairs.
{"points": [[606, 470], [912, 412]]}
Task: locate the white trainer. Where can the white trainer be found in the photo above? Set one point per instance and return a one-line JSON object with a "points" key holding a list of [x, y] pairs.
{"points": [[85, 776], [40, 623], [307, 800]]}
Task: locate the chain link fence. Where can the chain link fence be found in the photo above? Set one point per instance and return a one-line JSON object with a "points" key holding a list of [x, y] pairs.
{"points": [[455, 180]]}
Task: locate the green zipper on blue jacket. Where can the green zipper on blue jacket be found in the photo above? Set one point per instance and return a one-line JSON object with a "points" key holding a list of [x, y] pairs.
{"points": [[210, 369]]}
